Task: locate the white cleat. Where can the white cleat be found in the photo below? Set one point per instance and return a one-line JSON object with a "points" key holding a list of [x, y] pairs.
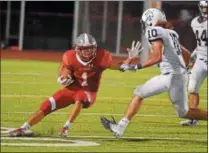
{"points": [[117, 130], [63, 132], [112, 126], [19, 132], [189, 123]]}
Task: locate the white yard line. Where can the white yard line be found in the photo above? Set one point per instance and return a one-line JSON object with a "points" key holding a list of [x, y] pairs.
{"points": [[143, 138], [99, 137], [106, 84], [28, 73], [89, 136], [43, 144], [98, 114]]}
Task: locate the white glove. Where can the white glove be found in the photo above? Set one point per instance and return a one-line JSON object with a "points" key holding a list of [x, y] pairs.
{"points": [[65, 82], [125, 67], [135, 49]]}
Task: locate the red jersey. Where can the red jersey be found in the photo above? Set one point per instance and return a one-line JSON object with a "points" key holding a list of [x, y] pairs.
{"points": [[87, 76]]}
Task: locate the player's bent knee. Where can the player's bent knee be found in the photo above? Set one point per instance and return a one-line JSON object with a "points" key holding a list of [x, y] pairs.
{"points": [[138, 93], [48, 106], [137, 98]]}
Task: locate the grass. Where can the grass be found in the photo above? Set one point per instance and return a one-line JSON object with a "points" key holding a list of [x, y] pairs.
{"points": [[25, 84]]}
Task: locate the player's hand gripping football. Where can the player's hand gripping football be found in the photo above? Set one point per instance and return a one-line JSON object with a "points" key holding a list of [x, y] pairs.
{"points": [[135, 49], [65, 81]]}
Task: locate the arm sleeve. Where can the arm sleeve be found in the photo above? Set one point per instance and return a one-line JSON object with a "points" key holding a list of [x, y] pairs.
{"points": [[154, 33], [106, 60]]}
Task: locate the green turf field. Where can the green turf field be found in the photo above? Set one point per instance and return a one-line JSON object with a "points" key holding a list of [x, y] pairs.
{"points": [[25, 84]]}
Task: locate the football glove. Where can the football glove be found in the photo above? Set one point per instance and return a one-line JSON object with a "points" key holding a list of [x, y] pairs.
{"points": [[125, 67], [135, 49]]}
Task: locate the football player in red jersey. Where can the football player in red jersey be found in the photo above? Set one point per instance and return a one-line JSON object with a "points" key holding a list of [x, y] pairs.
{"points": [[86, 63]]}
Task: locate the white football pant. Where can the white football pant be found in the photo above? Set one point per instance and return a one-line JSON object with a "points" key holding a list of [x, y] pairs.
{"points": [[175, 84], [198, 74]]}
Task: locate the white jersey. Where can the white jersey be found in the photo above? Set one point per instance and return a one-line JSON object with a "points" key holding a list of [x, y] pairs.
{"points": [[199, 26], [172, 59]]}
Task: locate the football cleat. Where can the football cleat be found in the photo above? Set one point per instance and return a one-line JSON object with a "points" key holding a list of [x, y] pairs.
{"points": [[112, 126], [189, 123], [63, 132], [20, 132]]}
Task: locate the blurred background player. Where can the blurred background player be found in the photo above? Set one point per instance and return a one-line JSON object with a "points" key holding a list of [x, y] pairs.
{"points": [[200, 54], [172, 59], [80, 73]]}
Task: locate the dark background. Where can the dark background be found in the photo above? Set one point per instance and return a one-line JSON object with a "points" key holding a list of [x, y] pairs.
{"points": [[49, 24], [43, 28]]}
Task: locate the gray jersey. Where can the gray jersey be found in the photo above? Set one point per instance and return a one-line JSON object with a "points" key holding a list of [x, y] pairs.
{"points": [[199, 26], [172, 59]]}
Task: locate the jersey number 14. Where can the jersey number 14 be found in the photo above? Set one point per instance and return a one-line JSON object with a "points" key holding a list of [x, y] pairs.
{"points": [[202, 39]]}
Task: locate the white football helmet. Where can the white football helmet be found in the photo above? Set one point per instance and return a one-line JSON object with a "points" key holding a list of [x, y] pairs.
{"points": [[85, 47], [203, 7], [150, 17]]}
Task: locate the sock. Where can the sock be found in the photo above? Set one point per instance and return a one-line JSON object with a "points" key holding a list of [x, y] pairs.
{"points": [[124, 122], [67, 124], [26, 126]]}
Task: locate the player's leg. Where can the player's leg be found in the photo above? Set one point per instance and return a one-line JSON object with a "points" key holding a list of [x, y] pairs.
{"points": [[198, 74], [178, 96], [154, 86], [60, 99], [83, 99]]}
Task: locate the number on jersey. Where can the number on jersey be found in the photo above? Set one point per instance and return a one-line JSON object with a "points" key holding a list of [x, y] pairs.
{"points": [[84, 77], [152, 33], [202, 38], [176, 43]]}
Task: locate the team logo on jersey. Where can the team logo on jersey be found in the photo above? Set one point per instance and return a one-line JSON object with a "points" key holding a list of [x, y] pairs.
{"points": [[90, 65]]}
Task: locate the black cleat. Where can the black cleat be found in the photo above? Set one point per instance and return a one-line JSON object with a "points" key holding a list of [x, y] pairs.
{"points": [[106, 122]]}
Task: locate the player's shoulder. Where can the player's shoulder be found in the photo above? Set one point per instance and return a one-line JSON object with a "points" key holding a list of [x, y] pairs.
{"points": [[68, 56], [198, 20], [103, 53], [155, 33], [194, 20], [104, 58], [70, 52]]}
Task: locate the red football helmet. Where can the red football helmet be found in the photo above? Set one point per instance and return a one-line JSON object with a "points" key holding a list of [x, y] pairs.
{"points": [[85, 47]]}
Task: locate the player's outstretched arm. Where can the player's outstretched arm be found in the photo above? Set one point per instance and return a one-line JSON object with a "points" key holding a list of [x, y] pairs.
{"points": [[133, 52], [186, 55], [154, 58], [156, 55], [116, 65]]}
